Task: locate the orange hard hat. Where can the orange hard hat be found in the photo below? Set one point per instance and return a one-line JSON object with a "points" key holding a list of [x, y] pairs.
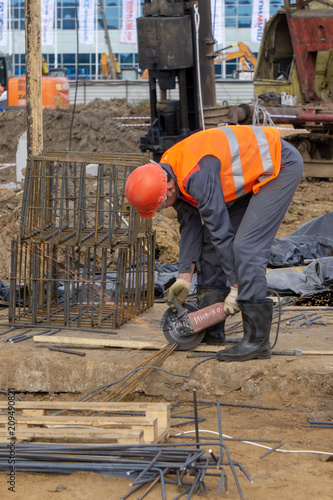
{"points": [[146, 189]]}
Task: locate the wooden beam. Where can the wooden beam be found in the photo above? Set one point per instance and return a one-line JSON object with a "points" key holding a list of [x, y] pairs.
{"points": [[107, 342], [33, 63], [146, 424], [120, 436], [114, 406], [36, 411]]}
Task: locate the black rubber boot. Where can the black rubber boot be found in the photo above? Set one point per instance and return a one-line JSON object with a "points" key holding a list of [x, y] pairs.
{"points": [[257, 320], [215, 335]]}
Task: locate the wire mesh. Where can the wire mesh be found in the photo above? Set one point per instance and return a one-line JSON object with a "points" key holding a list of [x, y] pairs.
{"points": [[83, 257], [79, 199]]}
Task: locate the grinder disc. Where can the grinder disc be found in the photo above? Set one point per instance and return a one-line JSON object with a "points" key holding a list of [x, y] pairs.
{"points": [[187, 342]]}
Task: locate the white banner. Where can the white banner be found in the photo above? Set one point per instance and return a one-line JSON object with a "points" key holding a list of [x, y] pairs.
{"points": [[86, 21], [260, 14], [3, 21], [217, 7], [47, 19], [128, 26]]}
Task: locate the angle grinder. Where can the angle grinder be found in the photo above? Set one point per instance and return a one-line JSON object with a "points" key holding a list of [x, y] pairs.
{"points": [[187, 326]]}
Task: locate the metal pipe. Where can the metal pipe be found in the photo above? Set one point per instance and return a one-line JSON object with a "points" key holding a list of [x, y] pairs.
{"points": [[195, 407], [147, 468]]}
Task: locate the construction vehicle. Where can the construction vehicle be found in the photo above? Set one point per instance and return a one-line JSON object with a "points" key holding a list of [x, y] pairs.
{"points": [[108, 60], [106, 66], [245, 65], [145, 75], [55, 86], [175, 45], [293, 78], [246, 60]]}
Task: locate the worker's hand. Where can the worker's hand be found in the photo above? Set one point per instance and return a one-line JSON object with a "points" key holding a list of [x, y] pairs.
{"points": [[231, 305], [179, 290]]}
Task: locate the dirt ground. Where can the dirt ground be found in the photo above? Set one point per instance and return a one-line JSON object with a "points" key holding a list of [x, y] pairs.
{"points": [[271, 399]]}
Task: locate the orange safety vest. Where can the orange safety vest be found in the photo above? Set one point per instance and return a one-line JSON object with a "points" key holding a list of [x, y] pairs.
{"points": [[250, 157]]}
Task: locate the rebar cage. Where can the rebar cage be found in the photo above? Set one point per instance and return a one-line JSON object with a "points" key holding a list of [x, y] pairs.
{"points": [[84, 257]]}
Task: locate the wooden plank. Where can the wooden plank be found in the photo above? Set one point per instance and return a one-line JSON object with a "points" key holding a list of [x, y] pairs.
{"points": [[146, 424], [107, 342], [99, 421], [163, 417], [34, 412], [295, 268], [120, 436], [158, 411], [33, 59], [114, 406]]}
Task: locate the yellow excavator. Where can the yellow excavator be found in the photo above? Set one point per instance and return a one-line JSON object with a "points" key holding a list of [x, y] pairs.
{"points": [[246, 59], [106, 66]]}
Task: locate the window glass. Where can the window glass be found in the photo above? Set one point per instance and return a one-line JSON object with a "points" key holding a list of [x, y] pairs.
{"points": [[274, 6], [244, 22], [230, 22], [83, 58], [68, 58], [245, 10], [126, 59], [230, 11], [237, 14], [68, 24]]}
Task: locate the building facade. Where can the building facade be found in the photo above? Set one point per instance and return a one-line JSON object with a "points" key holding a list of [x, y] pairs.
{"points": [[84, 60]]}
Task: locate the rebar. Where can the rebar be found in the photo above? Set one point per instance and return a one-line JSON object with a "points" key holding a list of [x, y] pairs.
{"points": [[84, 257], [132, 380], [183, 465]]}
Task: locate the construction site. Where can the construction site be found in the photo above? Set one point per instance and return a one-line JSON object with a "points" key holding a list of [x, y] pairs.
{"points": [[99, 397]]}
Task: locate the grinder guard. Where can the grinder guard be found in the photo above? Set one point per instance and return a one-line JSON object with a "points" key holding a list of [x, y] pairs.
{"points": [[187, 341]]}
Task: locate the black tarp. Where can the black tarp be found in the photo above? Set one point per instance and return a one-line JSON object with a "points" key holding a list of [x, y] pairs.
{"points": [[315, 278], [311, 241]]}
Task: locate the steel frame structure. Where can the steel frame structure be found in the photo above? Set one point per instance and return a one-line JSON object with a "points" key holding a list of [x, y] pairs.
{"points": [[84, 257]]}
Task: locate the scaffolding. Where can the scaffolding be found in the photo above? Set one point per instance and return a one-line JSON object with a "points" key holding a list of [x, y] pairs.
{"points": [[83, 257]]}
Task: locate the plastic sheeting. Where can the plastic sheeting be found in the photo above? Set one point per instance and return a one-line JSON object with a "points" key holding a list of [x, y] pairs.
{"points": [[317, 277], [310, 241], [313, 241]]}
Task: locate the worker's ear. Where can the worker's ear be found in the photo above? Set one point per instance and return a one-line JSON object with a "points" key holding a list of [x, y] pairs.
{"points": [[171, 185]]}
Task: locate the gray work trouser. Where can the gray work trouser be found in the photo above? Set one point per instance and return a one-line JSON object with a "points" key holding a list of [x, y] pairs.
{"points": [[255, 219]]}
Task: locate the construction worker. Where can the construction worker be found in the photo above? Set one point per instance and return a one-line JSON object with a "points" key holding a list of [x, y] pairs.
{"points": [[231, 187]]}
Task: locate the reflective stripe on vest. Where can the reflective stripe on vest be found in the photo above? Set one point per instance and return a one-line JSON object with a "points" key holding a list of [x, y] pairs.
{"points": [[236, 165], [266, 159]]}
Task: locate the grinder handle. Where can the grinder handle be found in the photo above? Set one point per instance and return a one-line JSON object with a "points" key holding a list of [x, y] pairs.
{"points": [[179, 307]]}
